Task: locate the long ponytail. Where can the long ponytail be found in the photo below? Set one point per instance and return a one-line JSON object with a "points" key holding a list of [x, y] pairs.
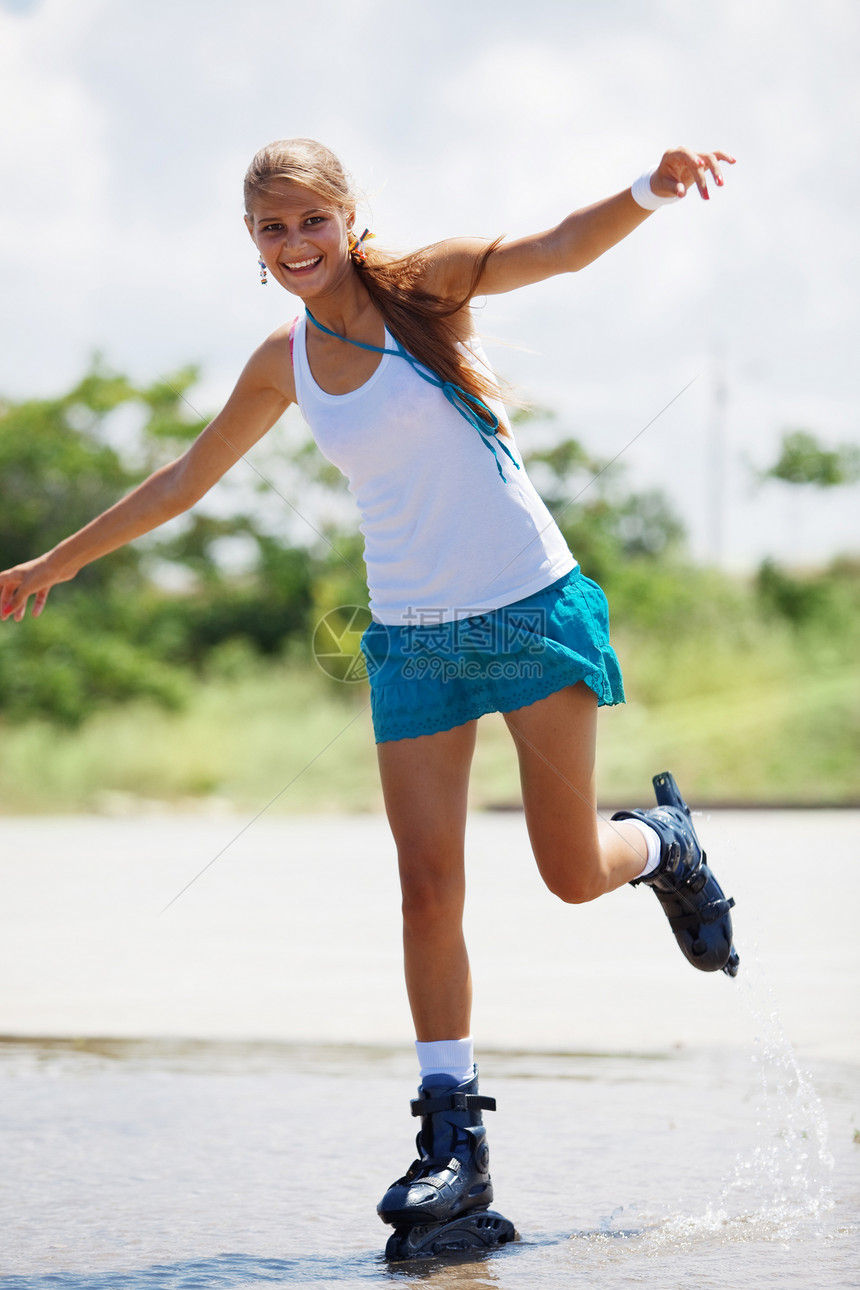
{"points": [[424, 323]]}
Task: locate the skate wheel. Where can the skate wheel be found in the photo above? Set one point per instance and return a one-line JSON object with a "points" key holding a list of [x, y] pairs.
{"points": [[473, 1233]]}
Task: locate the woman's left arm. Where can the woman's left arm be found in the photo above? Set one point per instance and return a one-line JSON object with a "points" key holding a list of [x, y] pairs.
{"points": [[581, 237]]}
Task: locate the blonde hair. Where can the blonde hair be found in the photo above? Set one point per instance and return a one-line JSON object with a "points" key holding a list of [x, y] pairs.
{"points": [[422, 321]]}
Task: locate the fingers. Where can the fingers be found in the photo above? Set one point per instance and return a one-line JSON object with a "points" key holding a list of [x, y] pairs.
{"points": [[8, 609], [16, 612], [11, 604], [7, 592], [709, 162], [33, 578], [681, 168]]}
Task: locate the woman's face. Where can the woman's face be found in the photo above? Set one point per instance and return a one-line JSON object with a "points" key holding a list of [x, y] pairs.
{"points": [[301, 238]]}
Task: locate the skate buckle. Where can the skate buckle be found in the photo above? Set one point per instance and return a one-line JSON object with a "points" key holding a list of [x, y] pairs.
{"points": [[452, 1102]]}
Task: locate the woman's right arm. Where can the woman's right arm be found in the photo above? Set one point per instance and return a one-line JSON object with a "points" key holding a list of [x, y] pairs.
{"points": [[262, 394]]}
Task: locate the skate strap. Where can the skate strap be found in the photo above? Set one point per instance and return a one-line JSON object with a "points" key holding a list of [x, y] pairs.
{"points": [[711, 913], [452, 1102]]}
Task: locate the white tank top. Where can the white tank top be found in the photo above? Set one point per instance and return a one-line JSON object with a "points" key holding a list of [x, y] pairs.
{"points": [[444, 536]]}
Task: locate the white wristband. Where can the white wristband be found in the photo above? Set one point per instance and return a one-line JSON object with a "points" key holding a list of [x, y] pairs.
{"points": [[644, 195]]}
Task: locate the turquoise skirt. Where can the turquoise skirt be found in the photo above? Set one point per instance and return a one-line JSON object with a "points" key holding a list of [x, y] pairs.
{"points": [[428, 678]]}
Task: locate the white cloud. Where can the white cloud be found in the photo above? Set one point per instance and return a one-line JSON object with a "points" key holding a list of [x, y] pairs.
{"points": [[53, 172]]}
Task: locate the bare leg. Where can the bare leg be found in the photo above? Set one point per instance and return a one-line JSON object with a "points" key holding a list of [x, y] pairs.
{"points": [[579, 855], [425, 785]]}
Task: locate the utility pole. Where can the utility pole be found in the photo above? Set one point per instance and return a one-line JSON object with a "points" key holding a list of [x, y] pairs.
{"points": [[716, 482]]}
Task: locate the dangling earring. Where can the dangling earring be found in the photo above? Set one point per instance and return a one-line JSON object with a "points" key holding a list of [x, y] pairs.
{"points": [[263, 279]]}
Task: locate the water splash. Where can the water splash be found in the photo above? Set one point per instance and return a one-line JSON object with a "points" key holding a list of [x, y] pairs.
{"points": [[790, 1169], [782, 1184]]}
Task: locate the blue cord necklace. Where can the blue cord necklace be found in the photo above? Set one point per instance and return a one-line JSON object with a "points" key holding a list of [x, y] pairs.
{"points": [[465, 403]]}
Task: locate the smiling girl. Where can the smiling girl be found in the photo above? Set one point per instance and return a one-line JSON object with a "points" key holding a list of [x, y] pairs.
{"points": [[477, 603]]}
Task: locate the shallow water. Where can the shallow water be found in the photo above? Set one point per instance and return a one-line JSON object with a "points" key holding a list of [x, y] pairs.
{"points": [[655, 1128], [133, 1164]]}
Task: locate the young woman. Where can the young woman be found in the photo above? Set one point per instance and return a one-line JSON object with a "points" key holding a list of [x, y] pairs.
{"points": [[477, 603]]}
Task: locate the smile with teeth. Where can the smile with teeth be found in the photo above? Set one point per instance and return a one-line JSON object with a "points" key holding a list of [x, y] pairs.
{"points": [[302, 264]]}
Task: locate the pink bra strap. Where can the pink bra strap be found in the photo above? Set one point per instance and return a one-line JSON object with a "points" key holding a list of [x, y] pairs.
{"points": [[292, 335]]}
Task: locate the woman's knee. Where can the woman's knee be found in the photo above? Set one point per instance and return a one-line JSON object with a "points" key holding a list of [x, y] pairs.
{"points": [[432, 892], [574, 875]]}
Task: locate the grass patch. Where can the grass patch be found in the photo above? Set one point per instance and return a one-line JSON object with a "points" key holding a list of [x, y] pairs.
{"points": [[275, 733]]}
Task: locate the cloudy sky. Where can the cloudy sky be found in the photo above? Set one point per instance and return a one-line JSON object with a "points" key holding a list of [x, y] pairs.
{"points": [[126, 129]]}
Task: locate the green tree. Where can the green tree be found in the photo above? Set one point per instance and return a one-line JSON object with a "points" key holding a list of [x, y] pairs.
{"points": [[58, 467], [606, 526], [804, 460], [114, 634], [824, 600]]}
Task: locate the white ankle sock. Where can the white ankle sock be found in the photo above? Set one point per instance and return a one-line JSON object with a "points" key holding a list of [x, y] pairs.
{"points": [[454, 1058], [652, 839]]}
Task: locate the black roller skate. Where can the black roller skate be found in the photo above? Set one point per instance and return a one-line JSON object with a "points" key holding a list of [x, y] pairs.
{"points": [[440, 1205], [691, 897]]}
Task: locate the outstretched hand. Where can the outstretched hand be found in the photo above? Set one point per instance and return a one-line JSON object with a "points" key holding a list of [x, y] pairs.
{"points": [[17, 585], [681, 168]]}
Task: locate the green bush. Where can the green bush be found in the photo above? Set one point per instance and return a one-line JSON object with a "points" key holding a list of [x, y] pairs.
{"points": [[55, 667]]}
